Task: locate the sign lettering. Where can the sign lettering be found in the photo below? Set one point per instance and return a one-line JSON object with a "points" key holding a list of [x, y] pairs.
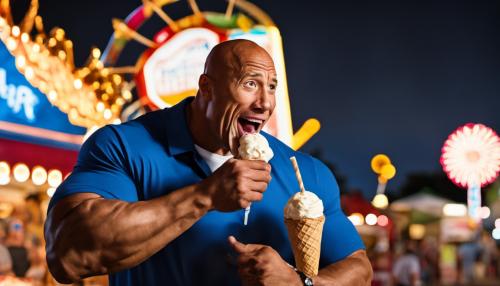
{"points": [[19, 98]]}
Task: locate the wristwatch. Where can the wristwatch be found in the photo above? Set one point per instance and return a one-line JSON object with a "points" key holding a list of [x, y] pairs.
{"points": [[306, 280]]}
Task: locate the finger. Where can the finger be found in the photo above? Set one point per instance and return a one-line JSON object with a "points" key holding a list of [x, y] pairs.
{"points": [[252, 196], [257, 175], [243, 203], [260, 187], [245, 185], [256, 165], [236, 245], [242, 248]]}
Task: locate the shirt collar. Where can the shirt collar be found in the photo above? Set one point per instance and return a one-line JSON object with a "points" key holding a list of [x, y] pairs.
{"points": [[179, 139]]}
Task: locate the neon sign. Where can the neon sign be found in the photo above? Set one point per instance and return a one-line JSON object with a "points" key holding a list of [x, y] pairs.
{"points": [[18, 97], [27, 115]]}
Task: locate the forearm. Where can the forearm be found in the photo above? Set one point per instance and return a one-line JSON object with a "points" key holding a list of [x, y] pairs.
{"points": [[100, 236], [355, 270]]}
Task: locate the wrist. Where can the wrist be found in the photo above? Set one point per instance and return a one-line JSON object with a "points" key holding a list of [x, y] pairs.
{"points": [[202, 199], [318, 281], [305, 280], [301, 279]]}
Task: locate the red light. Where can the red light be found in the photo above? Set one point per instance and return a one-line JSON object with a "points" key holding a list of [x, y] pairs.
{"points": [[161, 37], [382, 220]]}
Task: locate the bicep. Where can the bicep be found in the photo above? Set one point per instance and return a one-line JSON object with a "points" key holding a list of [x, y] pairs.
{"points": [[63, 207]]}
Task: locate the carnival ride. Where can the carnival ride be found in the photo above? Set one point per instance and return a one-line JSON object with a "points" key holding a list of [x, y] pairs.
{"points": [[101, 93]]}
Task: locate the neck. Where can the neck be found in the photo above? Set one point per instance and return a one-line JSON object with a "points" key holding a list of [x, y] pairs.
{"points": [[200, 130]]}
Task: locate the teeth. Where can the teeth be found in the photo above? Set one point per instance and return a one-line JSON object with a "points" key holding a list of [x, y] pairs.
{"points": [[254, 120]]}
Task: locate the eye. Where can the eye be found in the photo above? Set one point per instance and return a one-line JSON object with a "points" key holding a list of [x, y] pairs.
{"points": [[250, 84], [272, 86]]}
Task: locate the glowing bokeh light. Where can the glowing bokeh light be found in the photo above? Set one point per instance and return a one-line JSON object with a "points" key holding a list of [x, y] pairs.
{"points": [[380, 201], [39, 175], [54, 178], [383, 220], [496, 233], [4, 173], [21, 172], [485, 212], [457, 210], [356, 219], [417, 231], [371, 219]]}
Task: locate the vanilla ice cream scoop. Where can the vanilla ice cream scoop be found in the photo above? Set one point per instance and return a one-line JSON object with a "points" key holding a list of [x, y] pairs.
{"points": [[304, 205], [254, 146]]}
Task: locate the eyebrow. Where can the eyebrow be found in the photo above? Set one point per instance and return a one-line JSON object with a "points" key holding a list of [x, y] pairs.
{"points": [[253, 74]]}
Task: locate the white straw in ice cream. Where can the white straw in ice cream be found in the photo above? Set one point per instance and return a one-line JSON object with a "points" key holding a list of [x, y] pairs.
{"points": [[297, 173]]}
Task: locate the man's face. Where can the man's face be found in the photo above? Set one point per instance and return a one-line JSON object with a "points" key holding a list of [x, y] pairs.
{"points": [[243, 99]]}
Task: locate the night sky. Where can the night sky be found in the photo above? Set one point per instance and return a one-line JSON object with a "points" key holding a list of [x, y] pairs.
{"points": [[392, 77]]}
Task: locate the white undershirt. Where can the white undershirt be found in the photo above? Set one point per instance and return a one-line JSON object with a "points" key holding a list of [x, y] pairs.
{"points": [[214, 161]]}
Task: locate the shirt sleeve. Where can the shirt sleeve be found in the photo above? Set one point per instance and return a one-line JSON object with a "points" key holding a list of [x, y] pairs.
{"points": [[100, 169], [340, 238]]}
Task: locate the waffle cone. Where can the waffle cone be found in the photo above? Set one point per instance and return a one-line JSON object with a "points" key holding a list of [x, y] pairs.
{"points": [[305, 238]]}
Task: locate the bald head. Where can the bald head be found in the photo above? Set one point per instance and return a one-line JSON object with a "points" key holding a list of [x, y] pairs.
{"points": [[236, 95], [229, 57]]}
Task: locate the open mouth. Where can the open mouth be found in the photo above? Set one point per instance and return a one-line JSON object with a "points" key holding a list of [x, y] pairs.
{"points": [[249, 125]]}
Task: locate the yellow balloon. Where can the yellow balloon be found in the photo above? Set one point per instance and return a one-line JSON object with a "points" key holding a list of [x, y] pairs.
{"points": [[378, 162], [388, 171]]}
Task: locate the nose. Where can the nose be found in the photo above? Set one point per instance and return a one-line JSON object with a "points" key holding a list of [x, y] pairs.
{"points": [[265, 101]]}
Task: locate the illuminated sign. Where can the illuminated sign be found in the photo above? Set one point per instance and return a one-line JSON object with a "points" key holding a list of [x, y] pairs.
{"points": [[27, 115], [171, 72], [20, 99]]}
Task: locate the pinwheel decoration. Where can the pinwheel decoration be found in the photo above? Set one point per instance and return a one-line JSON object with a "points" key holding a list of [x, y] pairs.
{"points": [[471, 159]]}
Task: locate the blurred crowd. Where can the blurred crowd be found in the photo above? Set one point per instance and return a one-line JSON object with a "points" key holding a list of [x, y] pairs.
{"points": [[22, 251], [427, 262]]}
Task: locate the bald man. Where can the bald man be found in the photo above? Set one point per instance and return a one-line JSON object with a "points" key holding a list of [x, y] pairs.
{"points": [[160, 200]]}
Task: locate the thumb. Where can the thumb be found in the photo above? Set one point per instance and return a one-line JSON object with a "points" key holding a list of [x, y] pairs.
{"points": [[236, 245]]}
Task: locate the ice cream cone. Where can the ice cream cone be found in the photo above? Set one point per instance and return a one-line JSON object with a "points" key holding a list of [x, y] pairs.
{"points": [[305, 238], [254, 146]]}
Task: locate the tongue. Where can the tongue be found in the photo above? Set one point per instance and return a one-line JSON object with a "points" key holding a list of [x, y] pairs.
{"points": [[248, 128]]}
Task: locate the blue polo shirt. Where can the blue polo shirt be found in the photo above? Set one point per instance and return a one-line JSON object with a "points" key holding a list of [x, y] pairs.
{"points": [[154, 155]]}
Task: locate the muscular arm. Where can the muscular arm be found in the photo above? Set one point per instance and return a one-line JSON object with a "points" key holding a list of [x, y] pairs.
{"points": [[354, 270], [87, 235]]}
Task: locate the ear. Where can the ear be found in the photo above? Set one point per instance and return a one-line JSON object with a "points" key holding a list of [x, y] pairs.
{"points": [[205, 86]]}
